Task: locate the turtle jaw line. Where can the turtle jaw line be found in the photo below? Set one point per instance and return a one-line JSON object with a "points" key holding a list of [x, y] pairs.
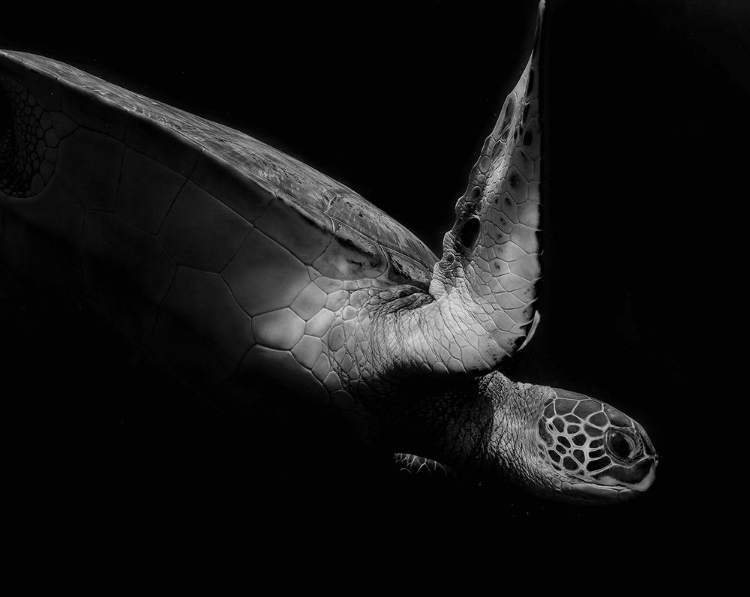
{"points": [[597, 493], [586, 492]]}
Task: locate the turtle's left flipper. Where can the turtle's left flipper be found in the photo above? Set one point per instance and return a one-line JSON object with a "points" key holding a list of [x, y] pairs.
{"points": [[490, 261]]}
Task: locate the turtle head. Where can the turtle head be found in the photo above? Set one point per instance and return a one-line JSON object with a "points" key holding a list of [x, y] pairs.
{"points": [[563, 445], [589, 451]]}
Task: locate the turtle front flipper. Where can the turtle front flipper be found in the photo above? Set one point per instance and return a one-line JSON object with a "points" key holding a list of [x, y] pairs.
{"points": [[490, 263]]}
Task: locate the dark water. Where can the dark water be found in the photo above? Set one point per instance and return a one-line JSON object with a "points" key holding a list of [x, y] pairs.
{"points": [[645, 102]]}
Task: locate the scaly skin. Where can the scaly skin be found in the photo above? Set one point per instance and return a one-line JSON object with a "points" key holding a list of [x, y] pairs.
{"points": [[253, 278], [488, 425]]}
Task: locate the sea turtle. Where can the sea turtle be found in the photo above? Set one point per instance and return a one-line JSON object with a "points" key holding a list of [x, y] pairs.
{"points": [[266, 286]]}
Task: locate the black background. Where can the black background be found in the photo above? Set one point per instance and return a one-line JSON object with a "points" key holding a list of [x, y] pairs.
{"points": [[646, 138]]}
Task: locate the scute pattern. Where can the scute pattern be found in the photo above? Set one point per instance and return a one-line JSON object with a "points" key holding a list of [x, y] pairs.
{"points": [[268, 283], [201, 333], [191, 241], [244, 162], [566, 418], [143, 176], [28, 149], [130, 288]]}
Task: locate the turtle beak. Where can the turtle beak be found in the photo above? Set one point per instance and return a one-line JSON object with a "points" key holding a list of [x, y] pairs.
{"points": [[646, 465], [634, 490], [633, 479]]}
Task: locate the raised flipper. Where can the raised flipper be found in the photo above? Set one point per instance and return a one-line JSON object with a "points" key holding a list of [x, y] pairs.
{"points": [[486, 278]]}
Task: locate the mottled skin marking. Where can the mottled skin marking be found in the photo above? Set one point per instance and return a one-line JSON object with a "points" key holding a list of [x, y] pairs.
{"points": [[252, 278]]}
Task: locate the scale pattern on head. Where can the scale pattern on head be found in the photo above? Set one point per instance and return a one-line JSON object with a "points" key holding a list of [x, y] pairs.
{"points": [[590, 440]]}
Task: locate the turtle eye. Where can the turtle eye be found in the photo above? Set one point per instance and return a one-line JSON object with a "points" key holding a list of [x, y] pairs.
{"points": [[622, 445]]}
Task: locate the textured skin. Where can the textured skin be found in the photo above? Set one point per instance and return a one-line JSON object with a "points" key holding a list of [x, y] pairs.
{"points": [[496, 274], [293, 265], [255, 279], [120, 189]]}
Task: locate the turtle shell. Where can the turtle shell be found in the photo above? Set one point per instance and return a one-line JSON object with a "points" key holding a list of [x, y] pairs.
{"points": [[255, 180], [220, 256]]}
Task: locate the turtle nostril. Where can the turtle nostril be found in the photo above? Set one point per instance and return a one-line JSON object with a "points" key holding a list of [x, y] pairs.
{"points": [[469, 234]]}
